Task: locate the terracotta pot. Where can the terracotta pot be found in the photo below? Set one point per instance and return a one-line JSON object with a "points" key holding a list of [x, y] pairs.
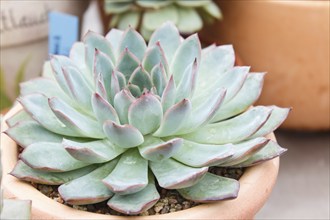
{"points": [[256, 185], [289, 40], [24, 37]]}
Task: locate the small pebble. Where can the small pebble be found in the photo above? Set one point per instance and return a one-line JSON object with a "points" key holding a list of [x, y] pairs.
{"points": [[178, 207], [172, 201], [165, 210], [78, 207], [158, 208], [186, 205]]}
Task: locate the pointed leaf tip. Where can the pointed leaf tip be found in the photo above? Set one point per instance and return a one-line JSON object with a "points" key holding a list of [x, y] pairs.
{"points": [[145, 113], [211, 188], [125, 136]]}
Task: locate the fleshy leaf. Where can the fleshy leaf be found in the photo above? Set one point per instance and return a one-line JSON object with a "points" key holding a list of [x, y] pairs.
{"points": [[57, 63], [188, 51], [114, 36], [98, 151], [37, 106], [114, 20], [215, 62], [125, 136], [141, 78], [174, 118], [233, 130], [115, 86], [276, 118], [156, 4], [79, 89], [212, 9], [195, 3], [211, 188], [154, 149], [134, 89], [88, 189], [112, 7], [158, 78], [75, 120], [130, 174], [187, 84], [103, 66], [100, 43], [244, 150], [169, 94], [43, 86], [204, 112], [24, 172], [232, 81], [174, 175], [206, 50], [270, 151], [152, 19], [28, 132], [122, 101], [103, 110], [129, 19], [167, 35], [189, 20], [248, 94], [135, 203], [100, 87], [135, 43], [78, 56], [237, 83], [47, 71], [153, 57], [121, 79], [145, 113], [202, 155], [21, 115], [127, 63], [34, 156]]}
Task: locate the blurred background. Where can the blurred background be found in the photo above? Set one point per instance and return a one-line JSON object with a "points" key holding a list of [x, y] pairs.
{"points": [[287, 39]]}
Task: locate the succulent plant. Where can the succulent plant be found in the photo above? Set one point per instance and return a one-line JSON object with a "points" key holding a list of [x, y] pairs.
{"points": [[118, 116], [148, 15]]}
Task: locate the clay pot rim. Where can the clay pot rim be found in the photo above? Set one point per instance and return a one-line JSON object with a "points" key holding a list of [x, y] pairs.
{"points": [[254, 191], [301, 3]]}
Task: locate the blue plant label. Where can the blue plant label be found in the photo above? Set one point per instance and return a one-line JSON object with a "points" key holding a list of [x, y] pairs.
{"points": [[63, 32]]}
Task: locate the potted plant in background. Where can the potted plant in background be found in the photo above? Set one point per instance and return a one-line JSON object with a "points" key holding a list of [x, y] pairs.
{"points": [[24, 40], [290, 39], [147, 16], [119, 117]]}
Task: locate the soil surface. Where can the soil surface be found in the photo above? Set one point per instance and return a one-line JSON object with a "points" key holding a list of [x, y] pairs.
{"points": [[170, 200]]}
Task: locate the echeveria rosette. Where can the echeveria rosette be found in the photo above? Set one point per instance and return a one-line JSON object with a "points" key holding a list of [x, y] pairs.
{"points": [[148, 15], [117, 115]]}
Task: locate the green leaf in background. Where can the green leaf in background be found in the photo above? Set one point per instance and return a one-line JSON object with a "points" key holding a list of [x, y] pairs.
{"points": [[21, 73], [5, 101]]}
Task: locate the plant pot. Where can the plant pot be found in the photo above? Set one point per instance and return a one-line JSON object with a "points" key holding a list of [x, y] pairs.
{"points": [[24, 40], [256, 185], [290, 40]]}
